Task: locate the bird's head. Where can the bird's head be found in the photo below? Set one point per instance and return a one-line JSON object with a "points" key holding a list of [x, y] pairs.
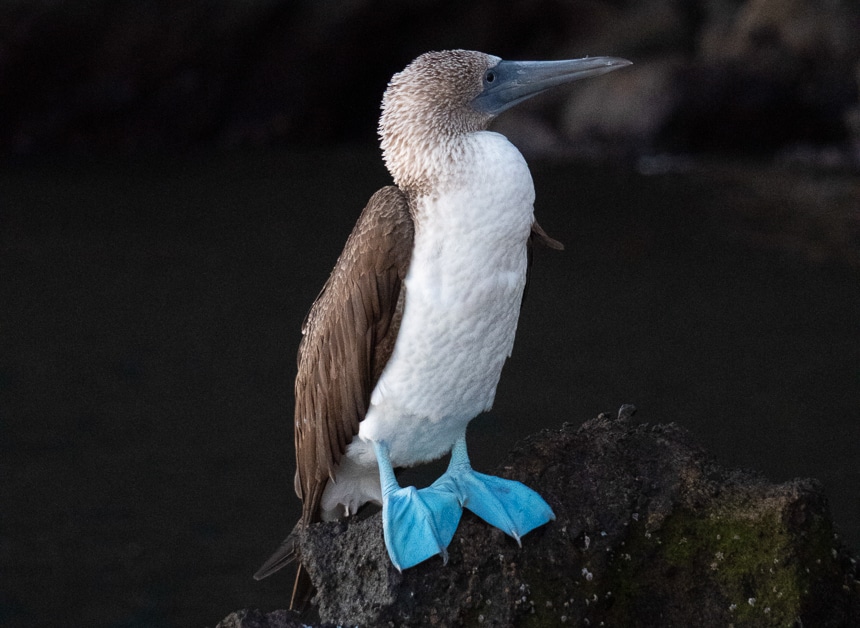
{"points": [[441, 96]]}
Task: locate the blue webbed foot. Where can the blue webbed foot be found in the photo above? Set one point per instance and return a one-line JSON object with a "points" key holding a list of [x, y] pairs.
{"points": [[510, 506], [417, 524]]}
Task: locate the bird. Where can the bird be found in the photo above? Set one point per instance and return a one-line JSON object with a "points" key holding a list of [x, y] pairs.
{"points": [[405, 343]]}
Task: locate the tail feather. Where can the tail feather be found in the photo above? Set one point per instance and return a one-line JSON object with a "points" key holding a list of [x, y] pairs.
{"points": [[287, 552], [303, 590]]}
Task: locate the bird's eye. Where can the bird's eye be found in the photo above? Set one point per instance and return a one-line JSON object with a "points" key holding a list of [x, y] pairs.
{"points": [[490, 76]]}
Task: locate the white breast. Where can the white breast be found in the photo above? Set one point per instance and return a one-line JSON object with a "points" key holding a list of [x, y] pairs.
{"points": [[463, 295]]}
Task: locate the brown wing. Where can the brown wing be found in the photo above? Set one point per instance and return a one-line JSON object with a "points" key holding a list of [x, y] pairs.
{"points": [[349, 334], [537, 236]]}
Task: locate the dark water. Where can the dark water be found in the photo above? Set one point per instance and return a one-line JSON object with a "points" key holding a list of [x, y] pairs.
{"points": [[149, 317]]}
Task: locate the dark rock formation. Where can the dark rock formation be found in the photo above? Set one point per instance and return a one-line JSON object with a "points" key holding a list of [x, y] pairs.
{"points": [[649, 531]]}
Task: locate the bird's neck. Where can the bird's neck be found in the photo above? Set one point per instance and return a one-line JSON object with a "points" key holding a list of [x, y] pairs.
{"points": [[421, 162], [483, 191]]}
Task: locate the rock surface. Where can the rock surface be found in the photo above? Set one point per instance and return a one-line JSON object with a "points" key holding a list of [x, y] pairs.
{"points": [[253, 618], [649, 531]]}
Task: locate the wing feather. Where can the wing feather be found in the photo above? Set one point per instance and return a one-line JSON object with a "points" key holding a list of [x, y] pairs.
{"points": [[348, 337]]}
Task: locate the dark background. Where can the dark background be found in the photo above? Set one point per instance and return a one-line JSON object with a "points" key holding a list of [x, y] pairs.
{"points": [[177, 179]]}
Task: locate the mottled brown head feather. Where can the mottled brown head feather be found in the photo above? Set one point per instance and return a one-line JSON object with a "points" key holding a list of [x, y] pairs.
{"points": [[425, 108]]}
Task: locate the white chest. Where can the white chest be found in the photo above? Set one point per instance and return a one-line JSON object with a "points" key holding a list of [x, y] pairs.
{"points": [[463, 295]]}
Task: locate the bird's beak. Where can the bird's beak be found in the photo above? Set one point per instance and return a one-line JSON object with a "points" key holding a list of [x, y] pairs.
{"points": [[511, 82]]}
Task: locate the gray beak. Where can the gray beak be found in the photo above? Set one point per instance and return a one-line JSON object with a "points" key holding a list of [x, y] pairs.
{"points": [[511, 82]]}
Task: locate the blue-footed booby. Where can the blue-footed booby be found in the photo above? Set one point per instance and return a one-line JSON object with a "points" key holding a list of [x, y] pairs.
{"points": [[405, 344]]}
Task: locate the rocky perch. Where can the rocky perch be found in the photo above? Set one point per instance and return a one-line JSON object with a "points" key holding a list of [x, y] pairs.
{"points": [[650, 531]]}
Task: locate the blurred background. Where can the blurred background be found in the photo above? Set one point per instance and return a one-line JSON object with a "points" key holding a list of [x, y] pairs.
{"points": [[178, 178]]}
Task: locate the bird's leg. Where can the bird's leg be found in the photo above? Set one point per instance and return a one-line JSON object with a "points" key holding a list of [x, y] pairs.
{"points": [[417, 524], [510, 506]]}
